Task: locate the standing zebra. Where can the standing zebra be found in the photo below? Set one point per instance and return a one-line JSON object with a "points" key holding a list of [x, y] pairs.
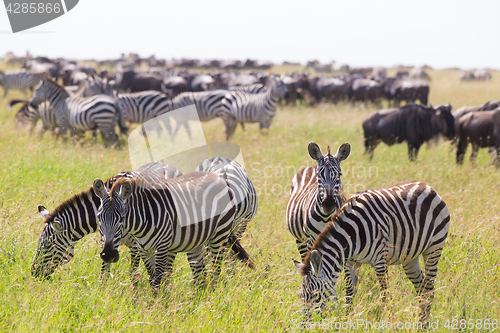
{"points": [[179, 216], [391, 226], [209, 104], [79, 113], [20, 79], [245, 195], [77, 217], [27, 113], [315, 195], [256, 108], [142, 106]]}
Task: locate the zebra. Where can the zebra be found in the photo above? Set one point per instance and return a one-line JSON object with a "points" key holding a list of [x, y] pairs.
{"points": [[315, 195], [209, 105], [245, 195], [180, 215], [20, 79], [256, 108], [390, 226], [31, 115], [142, 106], [76, 217], [79, 113], [256, 88]]}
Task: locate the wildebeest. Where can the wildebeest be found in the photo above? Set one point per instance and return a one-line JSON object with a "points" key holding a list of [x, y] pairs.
{"points": [[360, 89], [419, 73], [329, 88], [407, 90], [481, 129], [133, 82], [412, 123]]}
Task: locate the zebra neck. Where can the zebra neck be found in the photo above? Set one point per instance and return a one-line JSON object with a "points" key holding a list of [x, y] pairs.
{"points": [[335, 247], [58, 97]]}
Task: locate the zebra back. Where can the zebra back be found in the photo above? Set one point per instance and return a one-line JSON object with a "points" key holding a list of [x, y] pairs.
{"points": [[142, 106]]}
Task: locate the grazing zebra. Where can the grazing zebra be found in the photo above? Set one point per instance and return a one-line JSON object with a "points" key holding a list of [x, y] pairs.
{"points": [[245, 195], [315, 195], [20, 79], [77, 217], [209, 104], [391, 226], [27, 113], [79, 113], [256, 108], [142, 106], [180, 215]]}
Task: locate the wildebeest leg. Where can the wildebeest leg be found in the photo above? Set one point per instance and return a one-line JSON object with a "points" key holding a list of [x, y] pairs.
{"points": [[473, 155], [461, 147]]}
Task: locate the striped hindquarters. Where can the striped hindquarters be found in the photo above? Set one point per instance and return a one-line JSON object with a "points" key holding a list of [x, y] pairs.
{"points": [[142, 106], [209, 104]]}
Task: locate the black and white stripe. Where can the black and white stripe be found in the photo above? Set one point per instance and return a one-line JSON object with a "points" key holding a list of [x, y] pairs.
{"points": [[391, 226], [256, 108], [142, 106], [79, 114], [245, 195], [77, 217], [28, 114], [255, 88], [178, 215], [209, 105], [20, 79], [315, 195]]}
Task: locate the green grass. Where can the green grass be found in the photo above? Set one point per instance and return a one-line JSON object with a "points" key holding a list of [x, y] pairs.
{"points": [[75, 300]]}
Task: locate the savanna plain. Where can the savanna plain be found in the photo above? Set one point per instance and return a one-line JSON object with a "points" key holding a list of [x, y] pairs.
{"points": [[47, 171]]}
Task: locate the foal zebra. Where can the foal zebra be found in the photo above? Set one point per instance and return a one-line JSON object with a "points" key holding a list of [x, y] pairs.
{"points": [[142, 106], [20, 79], [27, 113], [179, 216], [78, 113], [315, 195], [77, 217], [209, 104], [390, 226], [256, 108], [245, 195]]}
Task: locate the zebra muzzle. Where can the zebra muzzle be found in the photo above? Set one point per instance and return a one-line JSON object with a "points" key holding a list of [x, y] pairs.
{"points": [[109, 254]]}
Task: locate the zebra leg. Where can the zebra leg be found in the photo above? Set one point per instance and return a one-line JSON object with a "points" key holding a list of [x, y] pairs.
{"points": [[381, 270], [105, 271], [427, 288], [351, 279], [302, 247], [217, 251], [414, 273], [230, 123], [197, 264], [188, 130], [149, 261], [161, 259]]}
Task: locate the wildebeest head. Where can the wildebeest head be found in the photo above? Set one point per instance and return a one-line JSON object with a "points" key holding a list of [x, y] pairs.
{"points": [[445, 120], [328, 173]]}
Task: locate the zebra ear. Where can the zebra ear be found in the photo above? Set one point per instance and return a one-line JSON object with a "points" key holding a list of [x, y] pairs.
{"points": [[314, 151], [126, 190], [315, 260], [343, 151], [100, 189], [44, 212]]}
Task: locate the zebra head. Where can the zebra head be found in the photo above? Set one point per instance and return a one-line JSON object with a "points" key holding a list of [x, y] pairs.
{"points": [[318, 287], [54, 245], [328, 173], [111, 215]]}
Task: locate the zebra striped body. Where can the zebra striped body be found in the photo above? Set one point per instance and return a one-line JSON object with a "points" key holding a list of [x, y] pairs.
{"points": [[210, 105], [256, 88], [391, 226], [20, 79], [179, 215], [257, 108], [28, 114], [245, 195], [77, 217], [79, 114], [315, 195]]}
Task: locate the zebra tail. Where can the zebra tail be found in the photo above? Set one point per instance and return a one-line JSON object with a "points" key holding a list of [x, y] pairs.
{"points": [[240, 252], [15, 101]]}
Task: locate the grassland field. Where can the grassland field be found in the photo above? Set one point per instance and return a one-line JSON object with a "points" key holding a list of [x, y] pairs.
{"points": [[45, 171]]}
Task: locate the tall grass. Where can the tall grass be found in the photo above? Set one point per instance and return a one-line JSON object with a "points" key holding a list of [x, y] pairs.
{"points": [[47, 171]]}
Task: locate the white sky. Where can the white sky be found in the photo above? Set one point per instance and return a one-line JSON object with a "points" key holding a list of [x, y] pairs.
{"points": [[441, 34]]}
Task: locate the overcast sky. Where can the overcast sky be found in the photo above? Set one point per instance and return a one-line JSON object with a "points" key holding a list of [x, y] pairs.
{"points": [[441, 34]]}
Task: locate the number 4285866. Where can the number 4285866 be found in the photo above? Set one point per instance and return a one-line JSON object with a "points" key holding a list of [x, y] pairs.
{"points": [[478, 324], [33, 7]]}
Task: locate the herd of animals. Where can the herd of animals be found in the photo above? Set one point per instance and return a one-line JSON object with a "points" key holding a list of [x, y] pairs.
{"points": [[158, 212]]}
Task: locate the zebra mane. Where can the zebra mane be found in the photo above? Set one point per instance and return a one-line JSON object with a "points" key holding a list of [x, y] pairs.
{"points": [[69, 203]]}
